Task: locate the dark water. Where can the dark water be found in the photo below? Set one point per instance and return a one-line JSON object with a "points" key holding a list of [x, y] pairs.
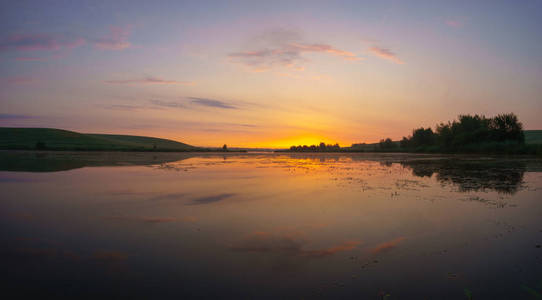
{"points": [[364, 226]]}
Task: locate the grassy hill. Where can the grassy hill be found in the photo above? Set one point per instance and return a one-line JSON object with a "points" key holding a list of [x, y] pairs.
{"points": [[533, 136], [58, 139]]}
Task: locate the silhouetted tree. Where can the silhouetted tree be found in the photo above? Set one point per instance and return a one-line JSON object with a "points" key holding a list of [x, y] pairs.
{"points": [[470, 129], [422, 137], [472, 133], [387, 144], [322, 147], [505, 127], [405, 143], [444, 136]]}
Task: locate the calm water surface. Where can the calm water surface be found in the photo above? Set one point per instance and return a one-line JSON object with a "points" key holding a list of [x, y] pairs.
{"points": [[364, 226]]}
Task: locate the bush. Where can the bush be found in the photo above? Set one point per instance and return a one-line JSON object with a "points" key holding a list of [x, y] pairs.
{"points": [[473, 134]]}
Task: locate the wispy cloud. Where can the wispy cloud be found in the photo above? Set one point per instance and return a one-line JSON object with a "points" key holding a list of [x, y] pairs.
{"points": [[283, 48], [386, 54], [211, 103], [326, 49], [39, 41], [125, 107], [314, 77], [456, 22], [116, 40], [18, 80], [149, 80], [170, 104], [174, 196], [211, 199], [30, 58], [264, 60]]}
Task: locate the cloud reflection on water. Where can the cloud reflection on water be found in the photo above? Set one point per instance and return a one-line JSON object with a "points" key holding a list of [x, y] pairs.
{"points": [[289, 243]]}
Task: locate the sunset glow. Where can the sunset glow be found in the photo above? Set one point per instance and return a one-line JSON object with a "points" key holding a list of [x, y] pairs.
{"points": [[267, 74]]}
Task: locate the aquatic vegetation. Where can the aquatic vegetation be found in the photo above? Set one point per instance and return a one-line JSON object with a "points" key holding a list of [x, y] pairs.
{"points": [[533, 292], [468, 293]]}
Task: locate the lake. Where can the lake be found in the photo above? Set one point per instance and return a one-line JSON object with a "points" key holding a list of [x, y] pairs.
{"points": [[270, 225]]}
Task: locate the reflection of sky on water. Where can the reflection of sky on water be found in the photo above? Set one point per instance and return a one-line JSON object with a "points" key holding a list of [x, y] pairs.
{"points": [[270, 226]]}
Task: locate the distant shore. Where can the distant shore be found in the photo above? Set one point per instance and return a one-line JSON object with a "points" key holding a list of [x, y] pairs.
{"points": [[469, 134]]}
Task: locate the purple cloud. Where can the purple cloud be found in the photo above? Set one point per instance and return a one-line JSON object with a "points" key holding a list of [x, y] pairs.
{"points": [[210, 199], [211, 103], [456, 22], [18, 80], [325, 49], [167, 103], [386, 54], [283, 48], [30, 59], [37, 42], [124, 107], [116, 40], [149, 80]]}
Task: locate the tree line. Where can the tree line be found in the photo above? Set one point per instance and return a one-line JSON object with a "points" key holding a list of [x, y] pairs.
{"points": [[502, 133], [466, 133], [316, 148]]}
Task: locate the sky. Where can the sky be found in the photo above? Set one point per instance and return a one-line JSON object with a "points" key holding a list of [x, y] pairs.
{"points": [[267, 73]]}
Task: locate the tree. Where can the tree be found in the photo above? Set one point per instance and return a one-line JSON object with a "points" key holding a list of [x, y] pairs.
{"points": [[422, 137], [468, 132], [404, 143], [507, 127], [387, 144], [322, 146], [444, 136], [470, 129], [225, 148]]}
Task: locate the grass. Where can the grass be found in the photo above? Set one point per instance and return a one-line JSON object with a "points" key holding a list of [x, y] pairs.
{"points": [[58, 139], [533, 136]]}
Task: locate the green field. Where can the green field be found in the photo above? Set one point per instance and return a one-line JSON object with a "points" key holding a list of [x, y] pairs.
{"points": [[57, 139], [533, 136]]}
